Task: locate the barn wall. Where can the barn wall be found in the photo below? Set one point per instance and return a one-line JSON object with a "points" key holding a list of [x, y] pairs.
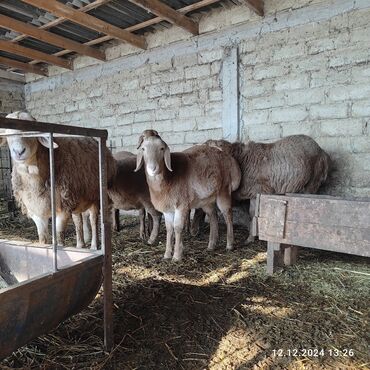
{"points": [[304, 68], [11, 96]]}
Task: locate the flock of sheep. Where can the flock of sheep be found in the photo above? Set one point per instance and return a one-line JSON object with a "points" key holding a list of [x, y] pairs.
{"points": [[156, 181]]}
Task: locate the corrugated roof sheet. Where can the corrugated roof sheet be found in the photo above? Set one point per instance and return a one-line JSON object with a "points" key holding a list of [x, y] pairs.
{"points": [[121, 13]]}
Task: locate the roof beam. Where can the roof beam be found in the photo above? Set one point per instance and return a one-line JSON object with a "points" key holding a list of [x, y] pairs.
{"points": [[12, 76], [23, 66], [95, 4], [256, 6], [88, 21], [171, 15], [48, 37], [34, 54]]}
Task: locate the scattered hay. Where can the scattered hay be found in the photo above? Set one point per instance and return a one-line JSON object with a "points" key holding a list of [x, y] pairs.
{"points": [[212, 311]]}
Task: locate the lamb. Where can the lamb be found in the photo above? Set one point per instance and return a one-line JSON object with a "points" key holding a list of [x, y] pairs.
{"points": [[294, 164], [196, 178], [76, 180], [130, 190]]}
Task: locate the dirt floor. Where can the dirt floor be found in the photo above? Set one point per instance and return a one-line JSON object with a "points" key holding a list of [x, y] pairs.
{"points": [[214, 311]]}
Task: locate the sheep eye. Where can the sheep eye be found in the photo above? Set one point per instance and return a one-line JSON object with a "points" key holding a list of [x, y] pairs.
{"points": [[142, 149], [162, 148]]}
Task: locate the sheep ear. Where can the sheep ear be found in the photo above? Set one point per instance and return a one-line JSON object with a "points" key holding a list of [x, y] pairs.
{"points": [[141, 139], [45, 142], [167, 159], [139, 160]]}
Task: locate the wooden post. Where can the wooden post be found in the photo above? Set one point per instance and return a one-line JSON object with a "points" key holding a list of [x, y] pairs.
{"points": [[290, 254], [117, 223], [274, 257]]}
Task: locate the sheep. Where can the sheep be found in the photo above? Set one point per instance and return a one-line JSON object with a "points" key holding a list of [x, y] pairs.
{"points": [[130, 190], [294, 164], [76, 180], [196, 178]]}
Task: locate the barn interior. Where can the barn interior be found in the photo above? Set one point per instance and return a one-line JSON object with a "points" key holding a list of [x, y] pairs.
{"points": [[195, 70]]}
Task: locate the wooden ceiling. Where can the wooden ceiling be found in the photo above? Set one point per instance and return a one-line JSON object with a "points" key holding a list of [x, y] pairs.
{"points": [[38, 33]]}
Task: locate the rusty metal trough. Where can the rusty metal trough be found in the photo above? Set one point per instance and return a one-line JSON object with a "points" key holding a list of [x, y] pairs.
{"points": [[38, 298], [312, 221]]}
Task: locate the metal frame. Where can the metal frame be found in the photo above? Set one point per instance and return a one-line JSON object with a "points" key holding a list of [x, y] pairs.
{"points": [[52, 130]]}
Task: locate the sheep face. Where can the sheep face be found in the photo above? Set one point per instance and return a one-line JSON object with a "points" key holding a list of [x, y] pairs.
{"points": [[23, 149], [155, 153]]}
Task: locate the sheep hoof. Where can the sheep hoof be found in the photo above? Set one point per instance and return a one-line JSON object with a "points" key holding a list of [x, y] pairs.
{"points": [[151, 242], [166, 257], [81, 245], [176, 259], [211, 248], [229, 247]]}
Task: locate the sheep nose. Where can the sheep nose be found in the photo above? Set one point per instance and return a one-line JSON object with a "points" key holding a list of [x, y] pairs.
{"points": [[19, 152]]}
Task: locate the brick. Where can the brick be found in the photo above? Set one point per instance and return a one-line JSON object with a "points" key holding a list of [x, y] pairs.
{"points": [[215, 95], [291, 82], [163, 114], [138, 128], [276, 100], [144, 116], [209, 122], [196, 137], [289, 51], [361, 144], [197, 71], [163, 126], [210, 55], [186, 124], [173, 138], [361, 109], [338, 127], [190, 111], [288, 114], [358, 91], [259, 116], [329, 111], [269, 72], [298, 128], [263, 132], [185, 60], [303, 97]]}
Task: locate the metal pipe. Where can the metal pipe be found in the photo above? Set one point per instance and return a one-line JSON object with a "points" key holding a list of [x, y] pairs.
{"points": [[52, 199], [106, 247]]}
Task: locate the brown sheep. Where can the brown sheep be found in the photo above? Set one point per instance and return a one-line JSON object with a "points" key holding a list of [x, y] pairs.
{"points": [[76, 180], [130, 190], [196, 178], [294, 164]]}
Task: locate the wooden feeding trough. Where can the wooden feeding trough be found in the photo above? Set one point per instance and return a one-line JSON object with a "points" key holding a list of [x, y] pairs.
{"points": [[312, 221], [42, 286]]}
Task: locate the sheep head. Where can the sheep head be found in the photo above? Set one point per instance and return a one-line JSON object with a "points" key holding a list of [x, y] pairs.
{"points": [[154, 152], [23, 149]]}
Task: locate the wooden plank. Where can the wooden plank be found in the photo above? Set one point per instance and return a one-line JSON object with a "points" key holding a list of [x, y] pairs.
{"points": [[255, 5], [165, 12], [23, 66], [34, 54], [48, 37], [23, 125], [325, 211], [341, 239], [88, 21], [142, 25], [12, 76], [290, 254], [274, 210]]}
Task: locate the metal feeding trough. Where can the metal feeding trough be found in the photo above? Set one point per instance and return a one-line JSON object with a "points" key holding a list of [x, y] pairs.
{"points": [[312, 221], [42, 286]]}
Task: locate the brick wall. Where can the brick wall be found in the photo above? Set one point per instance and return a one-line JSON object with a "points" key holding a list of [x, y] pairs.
{"points": [[11, 96], [304, 68]]}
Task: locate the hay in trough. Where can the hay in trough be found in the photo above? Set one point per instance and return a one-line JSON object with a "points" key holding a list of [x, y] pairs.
{"points": [[213, 311]]}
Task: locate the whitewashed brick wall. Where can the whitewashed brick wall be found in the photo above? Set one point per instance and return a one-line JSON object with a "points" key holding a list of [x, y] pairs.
{"points": [[304, 68], [11, 96]]}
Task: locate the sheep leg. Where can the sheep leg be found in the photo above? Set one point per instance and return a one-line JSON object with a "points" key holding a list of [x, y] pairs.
{"points": [[86, 227], [116, 225], [42, 228], [142, 223], [224, 204], [94, 226], [156, 217], [61, 224], [198, 220], [252, 209], [77, 220], [169, 219], [213, 226], [179, 223]]}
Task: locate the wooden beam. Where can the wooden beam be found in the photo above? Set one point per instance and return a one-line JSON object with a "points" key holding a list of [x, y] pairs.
{"points": [[60, 20], [23, 66], [12, 76], [88, 21], [256, 6], [171, 15], [48, 37], [139, 26], [34, 54]]}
